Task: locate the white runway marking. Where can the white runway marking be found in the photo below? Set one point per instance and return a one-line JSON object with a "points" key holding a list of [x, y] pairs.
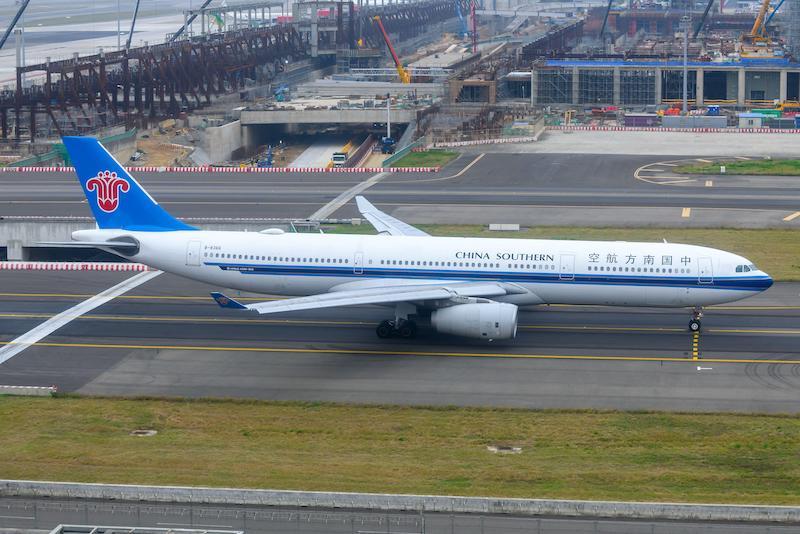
{"points": [[347, 196], [51, 325]]}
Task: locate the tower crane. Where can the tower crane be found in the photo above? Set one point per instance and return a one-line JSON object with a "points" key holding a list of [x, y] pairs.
{"points": [[405, 77]]}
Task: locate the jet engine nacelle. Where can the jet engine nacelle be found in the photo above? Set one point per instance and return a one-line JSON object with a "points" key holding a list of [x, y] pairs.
{"points": [[490, 320]]}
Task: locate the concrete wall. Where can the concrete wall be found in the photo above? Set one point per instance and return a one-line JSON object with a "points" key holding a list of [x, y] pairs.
{"points": [[346, 88], [325, 116], [388, 502], [219, 142], [731, 79], [769, 82]]}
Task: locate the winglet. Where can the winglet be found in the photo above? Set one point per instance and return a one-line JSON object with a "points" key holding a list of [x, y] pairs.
{"points": [[363, 204], [383, 223], [227, 302]]}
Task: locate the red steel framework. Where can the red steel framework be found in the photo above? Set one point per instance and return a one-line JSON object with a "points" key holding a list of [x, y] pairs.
{"points": [[133, 87]]}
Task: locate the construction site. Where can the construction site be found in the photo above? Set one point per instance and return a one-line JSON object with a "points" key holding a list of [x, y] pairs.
{"points": [[258, 83]]}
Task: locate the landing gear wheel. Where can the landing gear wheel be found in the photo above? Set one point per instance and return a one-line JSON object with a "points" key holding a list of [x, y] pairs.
{"points": [[407, 330], [694, 325], [384, 330]]}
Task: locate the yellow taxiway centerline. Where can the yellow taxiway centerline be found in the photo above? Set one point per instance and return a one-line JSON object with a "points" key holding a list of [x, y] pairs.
{"points": [[389, 352], [253, 320]]}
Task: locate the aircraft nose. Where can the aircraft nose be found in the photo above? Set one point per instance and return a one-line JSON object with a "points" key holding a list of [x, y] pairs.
{"points": [[768, 282]]}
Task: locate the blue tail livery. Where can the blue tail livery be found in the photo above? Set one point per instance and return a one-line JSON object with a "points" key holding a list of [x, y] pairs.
{"points": [[116, 198]]}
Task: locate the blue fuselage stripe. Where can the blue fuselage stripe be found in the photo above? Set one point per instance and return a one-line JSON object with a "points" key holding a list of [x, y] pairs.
{"points": [[730, 283]]}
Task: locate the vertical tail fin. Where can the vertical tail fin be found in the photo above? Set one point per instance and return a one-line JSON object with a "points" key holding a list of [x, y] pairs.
{"points": [[116, 198]]}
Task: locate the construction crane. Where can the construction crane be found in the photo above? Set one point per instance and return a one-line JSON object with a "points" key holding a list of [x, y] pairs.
{"points": [[756, 43], [462, 20], [10, 28], [474, 28], [405, 77], [758, 32]]}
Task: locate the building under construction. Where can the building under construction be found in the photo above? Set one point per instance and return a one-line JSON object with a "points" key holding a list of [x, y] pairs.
{"points": [[139, 85], [637, 57]]}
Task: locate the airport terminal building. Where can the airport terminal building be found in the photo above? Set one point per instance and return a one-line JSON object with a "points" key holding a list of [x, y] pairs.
{"points": [[630, 83]]}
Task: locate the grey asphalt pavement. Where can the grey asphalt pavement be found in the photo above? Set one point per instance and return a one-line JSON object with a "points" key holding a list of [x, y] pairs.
{"points": [[531, 189], [167, 337], [41, 515]]}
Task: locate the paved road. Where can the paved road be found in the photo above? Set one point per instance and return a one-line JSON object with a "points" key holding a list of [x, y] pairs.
{"points": [[44, 514], [540, 189], [319, 154], [168, 338]]}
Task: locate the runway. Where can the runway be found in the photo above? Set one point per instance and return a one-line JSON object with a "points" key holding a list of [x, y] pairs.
{"points": [[168, 338], [531, 189]]}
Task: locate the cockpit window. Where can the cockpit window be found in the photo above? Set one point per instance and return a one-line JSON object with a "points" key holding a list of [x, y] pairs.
{"points": [[745, 268]]}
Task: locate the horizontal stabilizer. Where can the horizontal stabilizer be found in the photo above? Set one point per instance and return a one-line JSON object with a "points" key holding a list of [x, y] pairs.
{"points": [[119, 245], [227, 302]]}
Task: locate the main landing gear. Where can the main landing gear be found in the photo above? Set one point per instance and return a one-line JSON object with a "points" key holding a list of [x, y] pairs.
{"points": [[404, 328], [694, 322]]}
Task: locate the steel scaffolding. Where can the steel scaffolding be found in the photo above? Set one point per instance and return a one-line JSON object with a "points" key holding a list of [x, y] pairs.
{"points": [[555, 86], [596, 86], [637, 87]]}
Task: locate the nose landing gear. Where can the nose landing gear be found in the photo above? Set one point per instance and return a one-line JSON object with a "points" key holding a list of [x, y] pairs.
{"points": [[694, 322]]}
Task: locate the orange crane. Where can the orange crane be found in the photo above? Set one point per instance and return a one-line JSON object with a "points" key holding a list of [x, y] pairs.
{"points": [[758, 32], [405, 77]]}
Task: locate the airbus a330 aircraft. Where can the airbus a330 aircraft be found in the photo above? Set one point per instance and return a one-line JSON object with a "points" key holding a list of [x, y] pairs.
{"points": [[468, 286]]}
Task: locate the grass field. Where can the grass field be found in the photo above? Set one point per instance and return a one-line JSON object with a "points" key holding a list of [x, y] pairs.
{"points": [[777, 252], [772, 167], [431, 158], [583, 455]]}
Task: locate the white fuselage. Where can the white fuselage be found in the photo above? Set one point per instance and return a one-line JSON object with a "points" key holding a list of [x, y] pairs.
{"points": [[549, 271]]}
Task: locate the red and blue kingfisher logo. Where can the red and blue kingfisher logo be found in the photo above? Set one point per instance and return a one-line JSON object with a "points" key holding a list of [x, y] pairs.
{"points": [[108, 186]]}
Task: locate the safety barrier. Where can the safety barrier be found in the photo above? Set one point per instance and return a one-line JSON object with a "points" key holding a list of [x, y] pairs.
{"points": [[391, 503], [58, 152], [497, 141], [372, 170], [387, 163], [361, 153], [658, 129], [29, 391], [71, 266]]}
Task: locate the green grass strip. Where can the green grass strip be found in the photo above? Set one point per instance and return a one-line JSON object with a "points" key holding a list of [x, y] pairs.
{"points": [[773, 167], [776, 251], [431, 158], [566, 454]]}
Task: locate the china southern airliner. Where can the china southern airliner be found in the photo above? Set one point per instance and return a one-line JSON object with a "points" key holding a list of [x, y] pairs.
{"points": [[469, 287]]}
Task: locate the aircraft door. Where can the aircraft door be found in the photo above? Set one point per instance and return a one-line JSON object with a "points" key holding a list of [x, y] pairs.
{"points": [[193, 253], [567, 267], [358, 263], [705, 271]]}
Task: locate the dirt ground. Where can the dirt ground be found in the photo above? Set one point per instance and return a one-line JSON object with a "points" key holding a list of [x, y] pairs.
{"points": [[160, 151]]}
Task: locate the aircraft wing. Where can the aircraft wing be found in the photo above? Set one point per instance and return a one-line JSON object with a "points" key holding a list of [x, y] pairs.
{"points": [[383, 223], [377, 295]]}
